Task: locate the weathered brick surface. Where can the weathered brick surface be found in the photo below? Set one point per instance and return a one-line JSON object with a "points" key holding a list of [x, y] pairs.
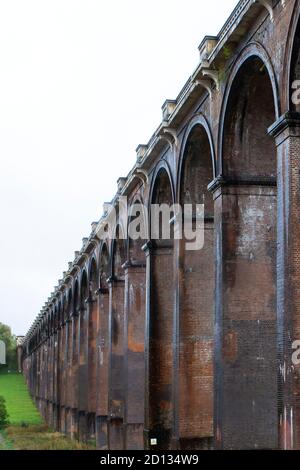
{"points": [[92, 356], [125, 353], [160, 347], [288, 141], [246, 318], [116, 366], [196, 343], [135, 283]]}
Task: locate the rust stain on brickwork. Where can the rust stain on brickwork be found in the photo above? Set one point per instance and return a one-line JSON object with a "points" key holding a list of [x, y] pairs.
{"points": [[147, 340]]}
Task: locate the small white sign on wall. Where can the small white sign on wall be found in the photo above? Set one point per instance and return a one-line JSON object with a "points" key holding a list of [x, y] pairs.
{"points": [[2, 353]]}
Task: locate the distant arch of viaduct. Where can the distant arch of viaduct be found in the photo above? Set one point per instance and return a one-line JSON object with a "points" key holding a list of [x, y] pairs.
{"points": [[147, 345]]}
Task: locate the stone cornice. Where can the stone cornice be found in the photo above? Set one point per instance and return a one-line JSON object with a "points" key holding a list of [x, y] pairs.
{"points": [[288, 120], [222, 181]]}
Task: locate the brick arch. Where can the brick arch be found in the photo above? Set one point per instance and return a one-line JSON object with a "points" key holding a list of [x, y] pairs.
{"points": [[82, 346], [246, 213], [198, 120], [161, 168], [68, 303], [116, 339], [83, 285], [134, 329], [92, 269], [52, 318], [103, 346], [195, 298], [162, 192], [69, 300], [252, 52], [159, 327], [76, 294], [55, 316], [104, 265], [118, 252], [135, 252], [75, 352], [59, 311], [93, 331], [64, 304], [60, 365]]}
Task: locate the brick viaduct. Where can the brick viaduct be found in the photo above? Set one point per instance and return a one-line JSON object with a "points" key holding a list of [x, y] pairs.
{"points": [[145, 340]]}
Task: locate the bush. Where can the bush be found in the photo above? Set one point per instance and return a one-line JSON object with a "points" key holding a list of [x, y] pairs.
{"points": [[3, 414]]}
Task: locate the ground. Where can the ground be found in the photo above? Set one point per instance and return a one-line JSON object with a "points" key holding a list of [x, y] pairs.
{"points": [[27, 431]]}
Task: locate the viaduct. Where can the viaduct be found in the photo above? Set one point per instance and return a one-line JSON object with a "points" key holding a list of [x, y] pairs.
{"points": [[146, 345]]}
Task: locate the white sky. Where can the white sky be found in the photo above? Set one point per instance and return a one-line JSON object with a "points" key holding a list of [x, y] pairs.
{"points": [[82, 83]]}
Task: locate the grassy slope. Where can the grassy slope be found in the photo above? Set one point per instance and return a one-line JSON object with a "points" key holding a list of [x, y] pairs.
{"points": [[40, 438], [21, 409], [18, 402]]}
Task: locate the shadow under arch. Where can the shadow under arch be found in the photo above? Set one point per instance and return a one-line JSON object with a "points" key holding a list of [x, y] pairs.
{"points": [[64, 363], [104, 275], [198, 120], [245, 224], [93, 329], [68, 385], [159, 322], [134, 322], [252, 56], [74, 399], [116, 393], [195, 295], [137, 231], [83, 359]]}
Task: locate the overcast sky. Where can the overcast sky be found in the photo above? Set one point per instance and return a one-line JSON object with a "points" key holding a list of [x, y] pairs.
{"points": [[82, 83]]}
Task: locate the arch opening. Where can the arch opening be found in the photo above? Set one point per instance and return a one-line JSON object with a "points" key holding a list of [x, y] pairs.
{"points": [[69, 319], [248, 151], [196, 300], [83, 356], [246, 331], [102, 349], [161, 324], [134, 316], [93, 328], [75, 360], [117, 377]]}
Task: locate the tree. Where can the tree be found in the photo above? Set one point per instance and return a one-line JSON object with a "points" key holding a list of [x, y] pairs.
{"points": [[3, 414], [11, 348]]}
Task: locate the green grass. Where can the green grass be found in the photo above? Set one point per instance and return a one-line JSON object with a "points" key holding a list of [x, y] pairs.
{"points": [[35, 435], [40, 438], [20, 407]]}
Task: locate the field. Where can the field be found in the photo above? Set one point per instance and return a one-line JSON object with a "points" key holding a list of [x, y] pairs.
{"points": [[18, 402], [27, 430]]}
